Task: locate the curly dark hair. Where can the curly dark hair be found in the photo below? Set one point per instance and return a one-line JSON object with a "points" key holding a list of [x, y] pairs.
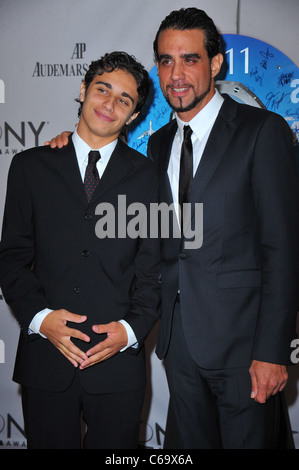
{"points": [[191, 18], [123, 61]]}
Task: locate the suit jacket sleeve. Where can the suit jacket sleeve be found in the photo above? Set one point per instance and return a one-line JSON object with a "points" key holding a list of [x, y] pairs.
{"points": [[22, 290], [275, 190]]}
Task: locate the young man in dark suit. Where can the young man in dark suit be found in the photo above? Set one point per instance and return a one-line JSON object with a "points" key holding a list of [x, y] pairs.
{"points": [[81, 297]]}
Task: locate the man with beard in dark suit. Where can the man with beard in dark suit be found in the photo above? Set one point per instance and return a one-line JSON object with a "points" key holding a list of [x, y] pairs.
{"points": [[228, 308]]}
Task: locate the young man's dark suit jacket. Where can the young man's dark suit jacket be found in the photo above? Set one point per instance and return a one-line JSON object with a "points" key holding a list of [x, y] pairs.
{"points": [[51, 257], [239, 291]]}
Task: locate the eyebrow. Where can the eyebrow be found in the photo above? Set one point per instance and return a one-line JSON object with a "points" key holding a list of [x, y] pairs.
{"points": [[108, 85], [190, 55]]}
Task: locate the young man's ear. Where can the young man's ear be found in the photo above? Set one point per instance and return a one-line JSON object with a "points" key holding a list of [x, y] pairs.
{"points": [[134, 116], [82, 92]]}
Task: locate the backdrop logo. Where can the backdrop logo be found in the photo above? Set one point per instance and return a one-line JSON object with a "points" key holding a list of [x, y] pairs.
{"points": [[27, 134], [148, 435], [79, 50], [10, 432], [73, 69], [2, 92]]}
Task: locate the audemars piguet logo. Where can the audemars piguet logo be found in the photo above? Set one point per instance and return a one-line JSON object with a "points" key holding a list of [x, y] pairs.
{"points": [[69, 69]]}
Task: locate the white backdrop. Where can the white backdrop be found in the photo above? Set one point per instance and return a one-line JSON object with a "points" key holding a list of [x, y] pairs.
{"points": [[45, 48]]}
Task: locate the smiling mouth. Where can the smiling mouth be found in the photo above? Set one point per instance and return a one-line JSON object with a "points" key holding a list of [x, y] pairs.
{"points": [[181, 90], [104, 117]]}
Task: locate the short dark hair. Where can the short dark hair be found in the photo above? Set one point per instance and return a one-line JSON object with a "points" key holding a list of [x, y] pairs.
{"points": [[123, 61], [191, 18]]}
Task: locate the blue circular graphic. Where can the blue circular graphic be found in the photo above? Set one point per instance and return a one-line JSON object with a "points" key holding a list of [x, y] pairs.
{"points": [[254, 72], [152, 118]]}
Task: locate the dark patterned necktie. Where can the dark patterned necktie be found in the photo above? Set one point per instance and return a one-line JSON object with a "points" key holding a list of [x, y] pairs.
{"points": [[186, 168], [91, 178]]}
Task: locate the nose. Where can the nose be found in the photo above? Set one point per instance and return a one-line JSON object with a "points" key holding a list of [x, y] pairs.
{"points": [[109, 104], [177, 71]]}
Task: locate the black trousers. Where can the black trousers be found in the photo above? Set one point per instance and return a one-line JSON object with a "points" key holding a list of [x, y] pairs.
{"points": [[54, 420], [212, 409]]}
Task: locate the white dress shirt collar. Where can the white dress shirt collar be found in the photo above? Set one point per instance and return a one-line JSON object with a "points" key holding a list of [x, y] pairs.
{"points": [[204, 120], [82, 150]]}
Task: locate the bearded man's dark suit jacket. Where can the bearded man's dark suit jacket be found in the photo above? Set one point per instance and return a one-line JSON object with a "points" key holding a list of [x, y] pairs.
{"points": [[51, 257], [239, 291]]}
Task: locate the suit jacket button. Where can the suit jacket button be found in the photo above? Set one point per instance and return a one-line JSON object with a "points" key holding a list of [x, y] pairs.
{"points": [[88, 217], [77, 290], [183, 256], [85, 253]]}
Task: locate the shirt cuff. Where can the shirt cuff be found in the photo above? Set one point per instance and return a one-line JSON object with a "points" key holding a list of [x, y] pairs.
{"points": [[37, 320], [132, 340]]}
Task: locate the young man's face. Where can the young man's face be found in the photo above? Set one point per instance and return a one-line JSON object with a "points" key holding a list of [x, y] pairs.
{"points": [[108, 104], [185, 71]]}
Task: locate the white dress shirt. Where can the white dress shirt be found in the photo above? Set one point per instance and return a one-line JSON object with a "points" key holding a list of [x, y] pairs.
{"points": [[82, 150], [201, 126]]}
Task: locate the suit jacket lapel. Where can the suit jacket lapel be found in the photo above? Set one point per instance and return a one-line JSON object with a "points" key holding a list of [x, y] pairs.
{"points": [[221, 134], [119, 166], [165, 187], [67, 165], [164, 155]]}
